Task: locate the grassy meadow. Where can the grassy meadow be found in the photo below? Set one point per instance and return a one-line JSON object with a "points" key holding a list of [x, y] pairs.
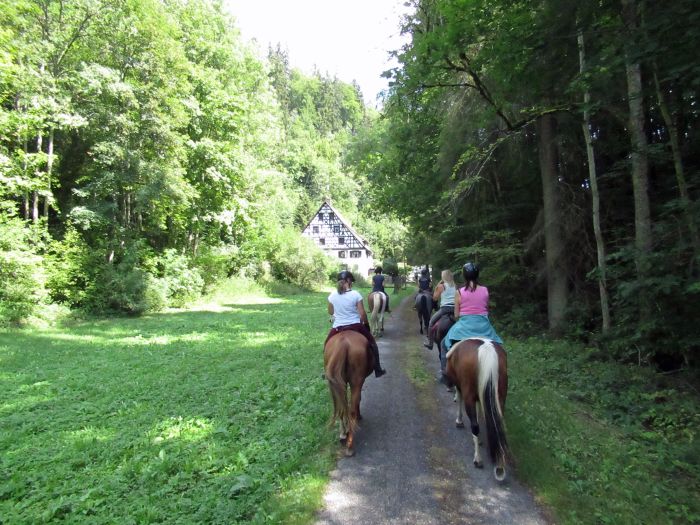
{"points": [[215, 414]]}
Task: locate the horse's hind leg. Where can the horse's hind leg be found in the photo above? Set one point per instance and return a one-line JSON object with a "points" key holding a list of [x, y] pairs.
{"points": [[460, 412], [470, 407], [355, 395]]}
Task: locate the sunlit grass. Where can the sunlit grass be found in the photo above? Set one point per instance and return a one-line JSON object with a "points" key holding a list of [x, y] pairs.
{"points": [[204, 415]]}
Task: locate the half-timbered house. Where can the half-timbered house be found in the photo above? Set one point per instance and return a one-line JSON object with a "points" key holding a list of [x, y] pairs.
{"points": [[335, 236]]}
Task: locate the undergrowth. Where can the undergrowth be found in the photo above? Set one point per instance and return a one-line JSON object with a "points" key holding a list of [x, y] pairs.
{"points": [[603, 442]]}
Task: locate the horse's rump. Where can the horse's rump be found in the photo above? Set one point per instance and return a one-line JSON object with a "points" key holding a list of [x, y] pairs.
{"points": [[373, 305], [478, 367], [347, 360]]}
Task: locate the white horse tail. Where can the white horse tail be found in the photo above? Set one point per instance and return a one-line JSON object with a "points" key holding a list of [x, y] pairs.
{"points": [[378, 305], [491, 407]]}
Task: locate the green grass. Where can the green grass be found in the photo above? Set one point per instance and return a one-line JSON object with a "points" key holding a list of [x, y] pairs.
{"points": [[601, 442], [216, 414]]}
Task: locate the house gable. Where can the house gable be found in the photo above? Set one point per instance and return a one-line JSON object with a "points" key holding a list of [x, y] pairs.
{"points": [[330, 231]]}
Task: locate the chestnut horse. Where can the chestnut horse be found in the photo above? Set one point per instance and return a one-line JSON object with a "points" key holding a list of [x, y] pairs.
{"points": [[478, 368], [347, 361], [377, 307]]}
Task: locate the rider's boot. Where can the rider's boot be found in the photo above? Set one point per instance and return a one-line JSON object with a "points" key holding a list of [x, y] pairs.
{"points": [[378, 370]]}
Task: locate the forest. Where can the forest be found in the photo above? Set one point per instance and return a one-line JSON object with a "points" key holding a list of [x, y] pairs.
{"points": [[556, 144], [147, 152]]}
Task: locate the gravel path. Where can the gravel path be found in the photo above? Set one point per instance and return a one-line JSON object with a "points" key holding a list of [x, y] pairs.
{"points": [[412, 465]]}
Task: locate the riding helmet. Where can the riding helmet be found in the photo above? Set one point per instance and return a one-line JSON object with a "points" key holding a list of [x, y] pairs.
{"points": [[345, 274], [470, 271]]}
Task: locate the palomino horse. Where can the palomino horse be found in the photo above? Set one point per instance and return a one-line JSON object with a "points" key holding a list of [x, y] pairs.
{"points": [[347, 361], [424, 307], [479, 370], [377, 307]]}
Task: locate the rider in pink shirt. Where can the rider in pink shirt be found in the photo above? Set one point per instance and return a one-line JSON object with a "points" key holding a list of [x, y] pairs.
{"points": [[474, 302]]}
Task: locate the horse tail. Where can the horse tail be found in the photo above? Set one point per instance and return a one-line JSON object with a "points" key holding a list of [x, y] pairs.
{"points": [[335, 375], [377, 299], [423, 303], [491, 406]]}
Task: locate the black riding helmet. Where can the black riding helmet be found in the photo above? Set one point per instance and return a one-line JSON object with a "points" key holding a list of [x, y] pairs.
{"points": [[345, 274], [470, 271]]}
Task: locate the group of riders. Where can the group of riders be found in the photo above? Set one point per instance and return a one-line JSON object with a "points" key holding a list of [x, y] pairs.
{"points": [[468, 306]]}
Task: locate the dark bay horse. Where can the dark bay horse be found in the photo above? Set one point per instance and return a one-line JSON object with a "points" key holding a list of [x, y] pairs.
{"points": [[478, 368], [424, 307], [440, 330], [347, 362]]}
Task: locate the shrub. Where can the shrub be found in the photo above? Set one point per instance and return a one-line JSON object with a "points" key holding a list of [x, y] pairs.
{"points": [[216, 263], [181, 283], [21, 270], [71, 268], [21, 285], [299, 261]]}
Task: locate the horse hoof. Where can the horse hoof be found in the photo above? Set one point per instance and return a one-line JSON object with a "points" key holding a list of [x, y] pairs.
{"points": [[349, 452], [459, 424], [479, 464], [499, 473], [342, 439]]}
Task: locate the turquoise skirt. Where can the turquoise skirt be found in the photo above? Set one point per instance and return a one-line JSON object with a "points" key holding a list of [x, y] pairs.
{"points": [[469, 327]]}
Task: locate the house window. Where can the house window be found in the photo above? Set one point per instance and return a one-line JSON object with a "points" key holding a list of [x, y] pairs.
{"points": [[331, 216], [341, 240], [315, 229], [322, 241], [336, 229], [341, 254], [355, 254], [320, 216]]}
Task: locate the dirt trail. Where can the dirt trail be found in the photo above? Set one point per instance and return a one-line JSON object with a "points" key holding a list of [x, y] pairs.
{"points": [[412, 465]]}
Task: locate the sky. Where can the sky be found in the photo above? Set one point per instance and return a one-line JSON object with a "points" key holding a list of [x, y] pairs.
{"points": [[347, 38]]}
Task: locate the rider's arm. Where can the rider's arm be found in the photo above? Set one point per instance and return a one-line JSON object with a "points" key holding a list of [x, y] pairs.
{"points": [[456, 316], [331, 311], [361, 310], [438, 292]]}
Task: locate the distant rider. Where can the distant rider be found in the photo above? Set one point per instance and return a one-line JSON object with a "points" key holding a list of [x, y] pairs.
{"points": [[348, 313], [378, 285], [445, 293]]}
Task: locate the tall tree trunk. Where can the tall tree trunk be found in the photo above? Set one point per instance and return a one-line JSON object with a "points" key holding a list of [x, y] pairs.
{"points": [[675, 144], [595, 196], [640, 162], [35, 193], [25, 196], [49, 170], [557, 286]]}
